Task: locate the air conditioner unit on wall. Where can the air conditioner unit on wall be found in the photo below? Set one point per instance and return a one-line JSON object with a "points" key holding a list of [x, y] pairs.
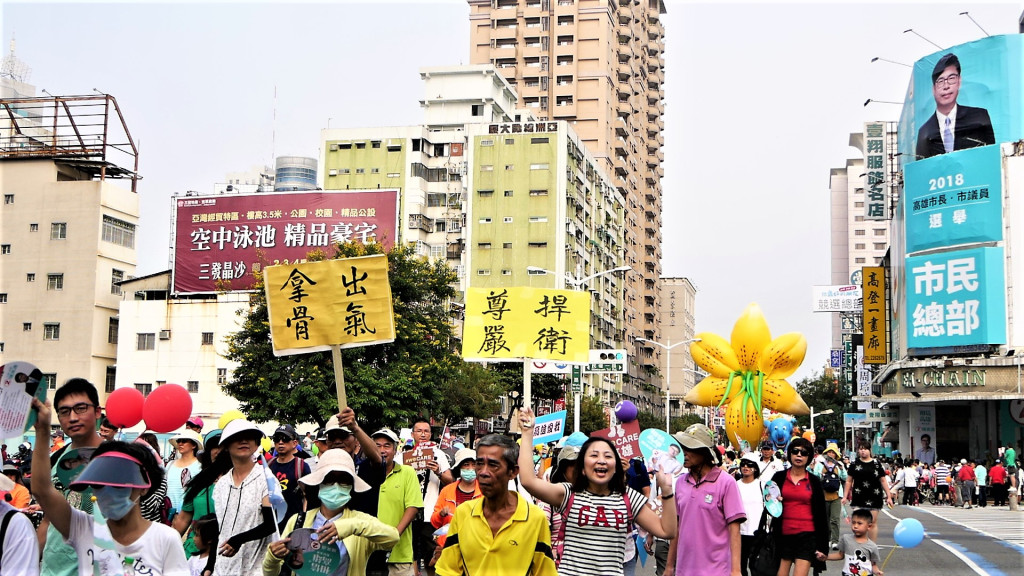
{"points": [[165, 334]]}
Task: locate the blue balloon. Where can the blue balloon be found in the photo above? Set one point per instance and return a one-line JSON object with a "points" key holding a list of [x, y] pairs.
{"points": [[908, 532]]}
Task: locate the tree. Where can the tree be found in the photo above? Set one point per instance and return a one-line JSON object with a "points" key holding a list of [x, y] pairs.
{"points": [[649, 420], [685, 421], [386, 384], [822, 393], [592, 416]]}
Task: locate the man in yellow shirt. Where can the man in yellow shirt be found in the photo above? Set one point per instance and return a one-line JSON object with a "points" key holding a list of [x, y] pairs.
{"points": [[501, 533]]}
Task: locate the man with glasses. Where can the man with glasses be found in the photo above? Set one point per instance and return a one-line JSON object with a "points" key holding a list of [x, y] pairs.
{"points": [[77, 405], [953, 126]]}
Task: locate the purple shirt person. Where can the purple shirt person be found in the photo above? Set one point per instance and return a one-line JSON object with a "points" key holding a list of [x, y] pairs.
{"points": [[710, 510]]}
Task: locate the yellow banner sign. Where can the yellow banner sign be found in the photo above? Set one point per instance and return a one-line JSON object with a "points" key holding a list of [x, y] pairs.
{"points": [[316, 305], [538, 323], [875, 334]]}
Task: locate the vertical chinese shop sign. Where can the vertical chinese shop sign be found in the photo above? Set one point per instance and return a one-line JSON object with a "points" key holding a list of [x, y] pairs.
{"points": [[330, 305]]}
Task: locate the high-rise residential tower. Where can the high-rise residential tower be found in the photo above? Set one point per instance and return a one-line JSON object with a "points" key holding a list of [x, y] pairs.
{"points": [[599, 65]]}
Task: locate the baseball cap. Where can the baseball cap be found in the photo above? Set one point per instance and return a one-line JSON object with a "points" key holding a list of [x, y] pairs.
{"points": [[195, 421], [333, 424], [286, 430], [320, 435], [767, 446], [386, 433]]}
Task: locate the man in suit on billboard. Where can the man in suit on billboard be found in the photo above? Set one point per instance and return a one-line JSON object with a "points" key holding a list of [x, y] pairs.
{"points": [[953, 126]]}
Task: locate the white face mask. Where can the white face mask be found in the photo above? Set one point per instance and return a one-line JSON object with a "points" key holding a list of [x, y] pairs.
{"points": [[115, 502]]}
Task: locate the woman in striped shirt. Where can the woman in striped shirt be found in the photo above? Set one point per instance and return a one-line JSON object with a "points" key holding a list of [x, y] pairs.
{"points": [[598, 508]]}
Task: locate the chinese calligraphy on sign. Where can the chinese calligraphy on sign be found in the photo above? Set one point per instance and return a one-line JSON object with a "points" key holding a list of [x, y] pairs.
{"points": [[516, 323], [225, 239], [956, 298], [875, 333], [954, 199], [334, 302], [876, 203]]}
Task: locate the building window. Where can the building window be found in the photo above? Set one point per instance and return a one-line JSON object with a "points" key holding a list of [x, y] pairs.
{"points": [[3, 297], [538, 244], [33, 227], [193, 386], [541, 166], [207, 338], [115, 277], [145, 341], [477, 110], [484, 193], [880, 231], [879, 245], [484, 245], [1, 346], [487, 167], [8, 198], [222, 376], [145, 388], [538, 192], [51, 331], [506, 272], [58, 231], [112, 328], [507, 219], [858, 218], [54, 281], [111, 378], [118, 232], [483, 272], [374, 143], [30, 277], [510, 141], [860, 246], [485, 220], [507, 245], [858, 233], [508, 193], [26, 327], [5, 248], [542, 140], [50, 380], [858, 204], [538, 218], [858, 261]]}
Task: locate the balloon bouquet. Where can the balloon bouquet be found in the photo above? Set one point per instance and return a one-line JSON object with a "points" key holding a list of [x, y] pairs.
{"points": [[165, 410], [748, 373]]}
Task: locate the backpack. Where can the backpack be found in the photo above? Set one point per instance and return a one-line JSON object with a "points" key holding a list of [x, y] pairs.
{"points": [[830, 480]]}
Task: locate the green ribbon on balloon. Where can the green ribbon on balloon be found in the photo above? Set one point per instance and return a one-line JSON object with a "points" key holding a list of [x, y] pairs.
{"points": [[752, 382]]}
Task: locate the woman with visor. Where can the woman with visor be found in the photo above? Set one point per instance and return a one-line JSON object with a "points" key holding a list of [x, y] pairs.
{"points": [[118, 540]]}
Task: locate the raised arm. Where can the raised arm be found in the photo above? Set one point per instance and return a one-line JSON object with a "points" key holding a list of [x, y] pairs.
{"points": [[347, 417], [553, 494], [53, 503], [666, 526]]}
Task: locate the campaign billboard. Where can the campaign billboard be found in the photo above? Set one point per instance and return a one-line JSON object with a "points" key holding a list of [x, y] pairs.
{"points": [[964, 97], [956, 298], [222, 241], [954, 199]]}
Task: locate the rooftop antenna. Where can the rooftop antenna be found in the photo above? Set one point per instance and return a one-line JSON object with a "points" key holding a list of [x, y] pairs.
{"points": [[13, 68], [911, 30], [975, 22]]}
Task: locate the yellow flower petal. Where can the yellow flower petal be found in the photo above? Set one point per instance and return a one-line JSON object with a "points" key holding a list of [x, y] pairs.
{"points": [[783, 356], [743, 421], [780, 396], [750, 336], [714, 354], [709, 391]]}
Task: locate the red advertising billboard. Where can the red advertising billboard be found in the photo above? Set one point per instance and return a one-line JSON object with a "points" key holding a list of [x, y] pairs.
{"points": [[221, 240]]}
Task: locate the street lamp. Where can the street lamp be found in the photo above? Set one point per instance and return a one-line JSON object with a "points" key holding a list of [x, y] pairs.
{"points": [[576, 284], [822, 413], [668, 370]]}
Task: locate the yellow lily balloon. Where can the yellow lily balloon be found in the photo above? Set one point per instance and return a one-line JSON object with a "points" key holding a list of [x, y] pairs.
{"points": [[748, 373]]}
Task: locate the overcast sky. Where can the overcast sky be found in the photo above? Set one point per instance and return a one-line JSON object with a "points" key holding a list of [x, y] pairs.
{"points": [[760, 100]]}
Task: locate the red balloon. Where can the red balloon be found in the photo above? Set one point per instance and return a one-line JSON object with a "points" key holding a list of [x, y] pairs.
{"points": [[167, 408], [124, 407]]}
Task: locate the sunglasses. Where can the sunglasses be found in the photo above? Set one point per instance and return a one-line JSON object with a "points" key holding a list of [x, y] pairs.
{"points": [[282, 438], [799, 452]]}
